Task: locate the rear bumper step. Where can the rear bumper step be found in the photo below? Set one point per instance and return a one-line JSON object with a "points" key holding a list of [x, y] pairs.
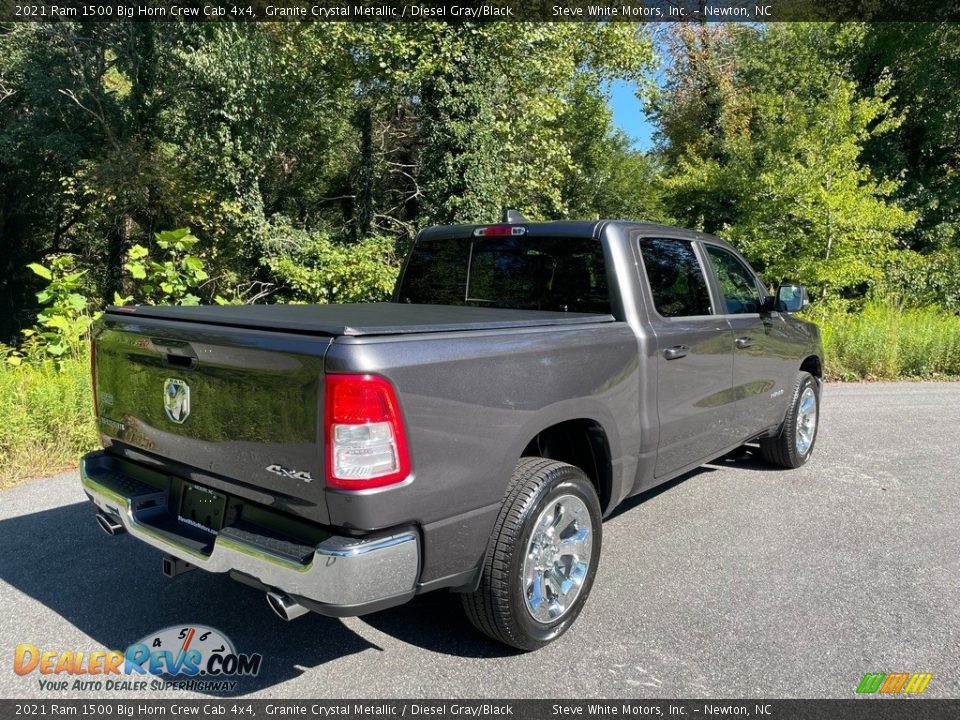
{"points": [[339, 576]]}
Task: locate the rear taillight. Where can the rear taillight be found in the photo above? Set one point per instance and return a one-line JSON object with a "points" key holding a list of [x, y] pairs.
{"points": [[365, 439], [93, 376]]}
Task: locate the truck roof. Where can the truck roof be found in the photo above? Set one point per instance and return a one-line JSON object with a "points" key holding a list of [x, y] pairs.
{"points": [[568, 228]]}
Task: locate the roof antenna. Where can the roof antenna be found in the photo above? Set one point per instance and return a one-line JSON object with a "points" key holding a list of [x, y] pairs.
{"points": [[512, 217]]}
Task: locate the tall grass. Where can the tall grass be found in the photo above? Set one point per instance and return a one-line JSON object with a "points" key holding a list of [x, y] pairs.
{"points": [[885, 342], [46, 421]]}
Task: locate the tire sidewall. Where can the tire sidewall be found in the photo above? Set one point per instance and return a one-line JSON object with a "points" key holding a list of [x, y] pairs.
{"points": [[571, 482], [806, 380]]}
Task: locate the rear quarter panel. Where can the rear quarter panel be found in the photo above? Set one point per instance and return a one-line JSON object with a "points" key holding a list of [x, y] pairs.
{"points": [[471, 403]]}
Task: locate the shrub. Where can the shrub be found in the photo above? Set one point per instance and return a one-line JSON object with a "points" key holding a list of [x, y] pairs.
{"points": [[48, 416], [886, 342], [171, 280], [312, 267], [62, 324], [924, 279]]}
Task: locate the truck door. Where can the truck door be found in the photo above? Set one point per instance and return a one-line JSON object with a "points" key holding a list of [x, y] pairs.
{"points": [[760, 355], [694, 355]]}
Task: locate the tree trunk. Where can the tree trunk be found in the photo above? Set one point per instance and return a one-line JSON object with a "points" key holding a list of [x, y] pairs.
{"points": [[365, 190]]}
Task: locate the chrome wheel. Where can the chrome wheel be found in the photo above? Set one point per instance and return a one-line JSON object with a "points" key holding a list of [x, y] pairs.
{"points": [[806, 420], [557, 558]]}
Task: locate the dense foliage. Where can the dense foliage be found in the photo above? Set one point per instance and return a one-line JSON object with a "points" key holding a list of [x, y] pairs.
{"points": [[303, 157], [295, 153], [790, 141]]}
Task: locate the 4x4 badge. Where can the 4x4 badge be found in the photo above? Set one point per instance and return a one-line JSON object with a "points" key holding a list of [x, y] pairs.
{"points": [[176, 399], [289, 473]]}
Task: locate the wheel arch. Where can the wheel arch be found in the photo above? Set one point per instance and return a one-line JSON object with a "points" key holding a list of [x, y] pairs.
{"points": [[813, 365], [581, 442]]}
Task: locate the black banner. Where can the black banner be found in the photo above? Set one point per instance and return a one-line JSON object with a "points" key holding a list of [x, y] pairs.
{"points": [[478, 11], [854, 709]]}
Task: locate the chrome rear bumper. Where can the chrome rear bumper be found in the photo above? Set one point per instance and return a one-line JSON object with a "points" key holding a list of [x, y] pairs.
{"points": [[342, 576]]}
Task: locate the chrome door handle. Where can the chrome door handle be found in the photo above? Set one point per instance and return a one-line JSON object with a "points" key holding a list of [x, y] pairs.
{"points": [[743, 342], [677, 351]]}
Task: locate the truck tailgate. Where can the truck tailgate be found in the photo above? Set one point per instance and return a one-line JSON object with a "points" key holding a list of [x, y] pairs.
{"points": [[239, 408]]}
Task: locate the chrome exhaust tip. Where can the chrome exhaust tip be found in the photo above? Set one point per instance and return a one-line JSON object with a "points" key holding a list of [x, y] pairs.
{"points": [[285, 606], [110, 525]]}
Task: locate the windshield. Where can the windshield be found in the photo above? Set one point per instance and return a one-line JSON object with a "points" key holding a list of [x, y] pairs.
{"points": [[522, 273]]}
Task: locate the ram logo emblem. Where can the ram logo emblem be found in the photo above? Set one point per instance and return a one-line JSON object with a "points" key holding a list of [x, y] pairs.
{"points": [[176, 400]]}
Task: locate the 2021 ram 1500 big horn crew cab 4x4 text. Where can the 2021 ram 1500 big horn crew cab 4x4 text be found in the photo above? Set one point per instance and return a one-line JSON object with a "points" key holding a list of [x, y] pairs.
{"points": [[470, 434]]}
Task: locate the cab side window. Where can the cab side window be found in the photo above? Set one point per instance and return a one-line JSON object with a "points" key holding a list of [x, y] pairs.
{"points": [[738, 283], [676, 278]]}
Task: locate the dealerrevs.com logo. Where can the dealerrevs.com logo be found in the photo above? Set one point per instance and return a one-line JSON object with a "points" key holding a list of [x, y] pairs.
{"points": [[185, 657]]}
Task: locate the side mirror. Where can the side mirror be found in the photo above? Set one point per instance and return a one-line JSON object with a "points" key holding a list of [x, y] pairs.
{"points": [[792, 297]]}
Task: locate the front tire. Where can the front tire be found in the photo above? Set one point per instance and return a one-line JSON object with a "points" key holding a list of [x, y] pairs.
{"points": [[793, 445], [541, 558]]}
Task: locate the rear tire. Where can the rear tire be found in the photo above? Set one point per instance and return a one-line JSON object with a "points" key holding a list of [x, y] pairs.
{"points": [[541, 558], [794, 444]]}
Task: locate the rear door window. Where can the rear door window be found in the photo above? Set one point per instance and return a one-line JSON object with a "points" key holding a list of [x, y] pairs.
{"points": [[676, 278], [522, 273]]}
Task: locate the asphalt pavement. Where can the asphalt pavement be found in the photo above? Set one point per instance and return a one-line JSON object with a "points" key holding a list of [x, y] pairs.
{"points": [[737, 580]]}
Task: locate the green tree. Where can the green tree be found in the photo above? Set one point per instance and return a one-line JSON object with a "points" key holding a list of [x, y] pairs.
{"points": [[461, 162], [783, 177], [112, 132], [921, 64]]}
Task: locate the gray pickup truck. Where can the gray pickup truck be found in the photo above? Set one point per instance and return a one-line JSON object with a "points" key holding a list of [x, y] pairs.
{"points": [[471, 434]]}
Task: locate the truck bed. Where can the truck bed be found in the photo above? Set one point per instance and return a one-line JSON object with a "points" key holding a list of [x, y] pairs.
{"points": [[360, 319]]}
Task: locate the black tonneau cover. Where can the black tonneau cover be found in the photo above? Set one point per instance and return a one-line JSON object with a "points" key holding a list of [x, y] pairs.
{"points": [[360, 318]]}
